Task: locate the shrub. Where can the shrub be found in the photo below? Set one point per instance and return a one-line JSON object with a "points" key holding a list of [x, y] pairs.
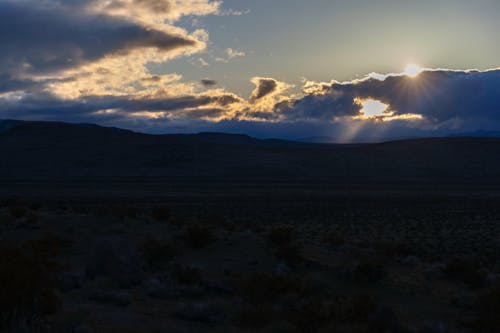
{"points": [[393, 249], [27, 286], [466, 271], [281, 235], [218, 221], [177, 221], [18, 211], [123, 212], [157, 253], [369, 271], [255, 316], [333, 238], [261, 287], [198, 236], [353, 308], [31, 218], [487, 312], [48, 246], [4, 220], [161, 214], [310, 315], [313, 314], [33, 205], [113, 298], [186, 275], [291, 254], [7, 202]]}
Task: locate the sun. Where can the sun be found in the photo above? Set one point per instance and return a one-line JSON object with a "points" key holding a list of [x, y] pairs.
{"points": [[413, 70]]}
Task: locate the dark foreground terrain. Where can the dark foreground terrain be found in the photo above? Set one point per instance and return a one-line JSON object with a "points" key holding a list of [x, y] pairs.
{"points": [[103, 230]]}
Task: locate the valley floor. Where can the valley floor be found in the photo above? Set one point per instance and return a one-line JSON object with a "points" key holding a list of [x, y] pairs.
{"points": [[247, 258]]}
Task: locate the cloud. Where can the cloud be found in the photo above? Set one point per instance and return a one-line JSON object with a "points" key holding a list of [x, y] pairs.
{"points": [[154, 11], [263, 87], [208, 82], [439, 96], [230, 54], [234, 12], [74, 49], [200, 62], [38, 39], [437, 102], [211, 105], [266, 87]]}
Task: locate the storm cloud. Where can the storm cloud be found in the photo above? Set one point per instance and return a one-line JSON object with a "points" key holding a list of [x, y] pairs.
{"points": [[446, 101], [42, 39], [263, 87], [439, 96]]}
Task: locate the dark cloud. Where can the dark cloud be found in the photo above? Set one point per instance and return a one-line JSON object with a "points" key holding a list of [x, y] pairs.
{"points": [[48, 107], [152, 79], [439, 96], [208, 82], [264, 87], [42, 37], [155, 6], [9, 83], [449, 101], [225, 99]]}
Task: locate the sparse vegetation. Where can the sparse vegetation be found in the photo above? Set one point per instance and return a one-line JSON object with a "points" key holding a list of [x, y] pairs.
{"points": [[333, 238], [123, 212], [369, 270], [285, 246], [255, 316], [186, 275], [466, 271], [50, 245], [157, 252], [269, 272], [27, 286], [161, 214], [393, 249], [291, 254], [18, 211], [487, 311], [281, 236], [198, 236], [264, 287]]}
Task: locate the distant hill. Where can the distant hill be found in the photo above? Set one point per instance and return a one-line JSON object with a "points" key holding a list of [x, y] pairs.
{"points": [[475, 134], [8, 124], [481, 134], [42, 151], [317, 139]]}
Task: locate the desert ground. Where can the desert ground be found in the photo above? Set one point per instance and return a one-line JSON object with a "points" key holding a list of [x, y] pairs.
{"points": [[248, 258]]}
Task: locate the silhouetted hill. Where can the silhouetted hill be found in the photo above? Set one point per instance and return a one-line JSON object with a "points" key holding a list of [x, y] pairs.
{"points": [[317, 139], [40, 151], [8, 124], [483, 134]]}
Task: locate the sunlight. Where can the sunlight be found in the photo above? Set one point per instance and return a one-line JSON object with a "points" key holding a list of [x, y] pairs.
{"points": [[372, 108], [375, 110], [413, 70]]}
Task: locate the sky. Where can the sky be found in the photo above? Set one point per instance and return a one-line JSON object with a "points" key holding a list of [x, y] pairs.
{"points": [[360, 70]]}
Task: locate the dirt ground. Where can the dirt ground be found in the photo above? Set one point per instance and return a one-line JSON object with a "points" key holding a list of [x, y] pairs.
{"points": [[279, 259]]}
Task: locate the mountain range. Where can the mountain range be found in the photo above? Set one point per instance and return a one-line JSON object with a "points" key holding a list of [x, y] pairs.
{"points": [[50, 151]]}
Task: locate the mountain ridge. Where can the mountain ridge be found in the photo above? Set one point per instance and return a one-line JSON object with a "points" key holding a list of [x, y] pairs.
{"points": [[82, 152]]}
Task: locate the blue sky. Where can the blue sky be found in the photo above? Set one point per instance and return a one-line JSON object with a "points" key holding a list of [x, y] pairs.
{"points": [[267, 68], [323, 40]]}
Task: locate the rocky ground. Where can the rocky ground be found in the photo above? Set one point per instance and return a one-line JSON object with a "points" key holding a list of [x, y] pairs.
{"points": [[346, 264]]}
